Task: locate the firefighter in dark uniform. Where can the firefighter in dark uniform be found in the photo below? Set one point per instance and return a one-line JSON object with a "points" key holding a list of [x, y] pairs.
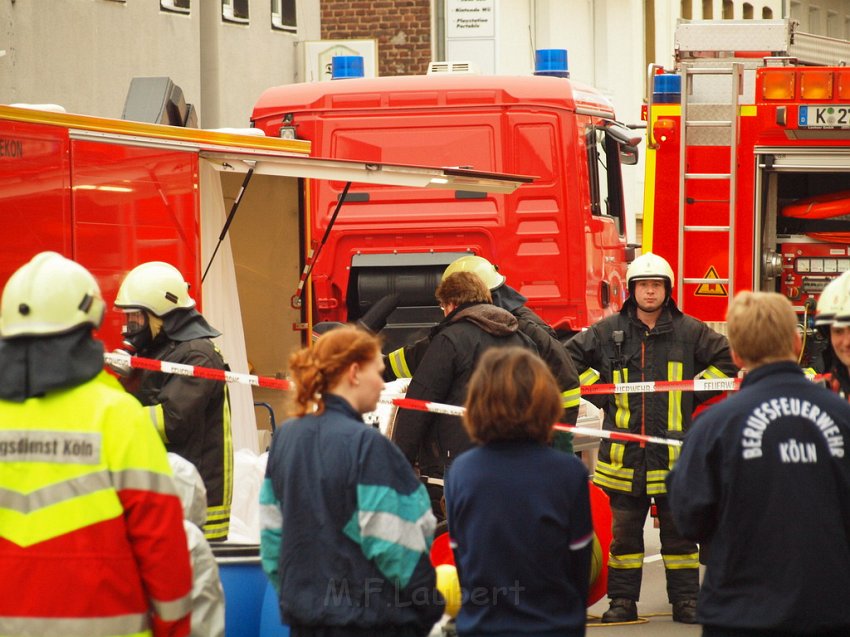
{"points": [[402, 362], [650, 339], [764, 476], [192, 415], [472, 325]]}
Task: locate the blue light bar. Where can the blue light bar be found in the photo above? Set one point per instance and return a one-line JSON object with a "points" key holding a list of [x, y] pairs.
{"points": [[346, 66], [552, 62]]}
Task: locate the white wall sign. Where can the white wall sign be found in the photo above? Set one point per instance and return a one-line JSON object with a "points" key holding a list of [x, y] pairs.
{"points": [[318, 55], [470, 19]]}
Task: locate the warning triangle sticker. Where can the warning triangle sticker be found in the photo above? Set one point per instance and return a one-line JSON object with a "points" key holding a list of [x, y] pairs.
{"points": [[711, 289]]}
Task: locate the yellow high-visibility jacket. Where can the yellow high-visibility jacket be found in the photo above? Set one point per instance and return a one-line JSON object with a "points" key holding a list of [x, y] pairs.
{"points": [[91, 530]]}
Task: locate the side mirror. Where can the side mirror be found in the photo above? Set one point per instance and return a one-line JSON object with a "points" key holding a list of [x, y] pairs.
{"points": [[624, 135], [628, 155]]}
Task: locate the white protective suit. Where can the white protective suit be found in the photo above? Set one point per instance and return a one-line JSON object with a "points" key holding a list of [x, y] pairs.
{"points": [[207, 592]]}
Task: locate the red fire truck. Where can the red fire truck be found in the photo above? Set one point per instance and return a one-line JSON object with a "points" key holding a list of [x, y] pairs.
{"points": [[560, 241], [223, 207], [748, 159]]}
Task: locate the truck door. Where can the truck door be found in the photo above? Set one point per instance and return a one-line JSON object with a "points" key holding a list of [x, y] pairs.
{"points": [[606, 243]]}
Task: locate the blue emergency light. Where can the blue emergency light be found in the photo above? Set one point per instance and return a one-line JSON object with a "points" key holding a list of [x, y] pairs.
{"points": [[344, 67], [667, 88], [552, 62]]}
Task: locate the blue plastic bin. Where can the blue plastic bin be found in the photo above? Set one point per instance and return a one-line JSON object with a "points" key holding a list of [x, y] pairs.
{"points": [[250, 604]]}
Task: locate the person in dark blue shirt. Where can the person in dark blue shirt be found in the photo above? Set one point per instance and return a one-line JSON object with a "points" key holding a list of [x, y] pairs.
{"points": [[518, 511], [764, 481]]}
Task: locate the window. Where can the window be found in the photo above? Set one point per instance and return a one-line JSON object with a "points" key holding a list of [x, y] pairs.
{"points": [[814, 21], [748, 11], [767, 13], [606, 183], [728, 10], [687, 9], [707, 9], [283, 15], [833, 25], [177, 6], [235, 11]]}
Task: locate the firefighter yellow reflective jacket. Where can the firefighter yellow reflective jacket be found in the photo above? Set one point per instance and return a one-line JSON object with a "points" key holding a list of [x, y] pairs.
{"points": [[91, 530]]}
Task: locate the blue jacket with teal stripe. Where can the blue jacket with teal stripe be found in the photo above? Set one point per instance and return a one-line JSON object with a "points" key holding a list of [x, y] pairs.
{"points": [[346, 527]]}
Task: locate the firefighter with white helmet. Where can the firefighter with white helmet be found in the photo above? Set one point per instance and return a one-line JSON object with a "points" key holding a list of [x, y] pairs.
{"points": [[86, 497], [192, 415], [650, 339], [832, 299], [833, 317]]}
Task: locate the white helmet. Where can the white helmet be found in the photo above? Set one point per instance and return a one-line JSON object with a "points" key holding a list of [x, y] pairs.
{"points": [[649, 266], [155, 286], [832, 299], [49, 295], [477, 265]]}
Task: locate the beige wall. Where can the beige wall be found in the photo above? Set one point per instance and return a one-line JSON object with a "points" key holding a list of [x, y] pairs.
{"points": [[82, 54]]}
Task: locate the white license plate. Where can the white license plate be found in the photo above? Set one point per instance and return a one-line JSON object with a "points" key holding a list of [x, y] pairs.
{"points": [[825, 116]]}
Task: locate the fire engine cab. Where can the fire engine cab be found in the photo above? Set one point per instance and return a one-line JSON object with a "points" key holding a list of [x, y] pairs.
{"points": [[748, 159], [561, 241]]}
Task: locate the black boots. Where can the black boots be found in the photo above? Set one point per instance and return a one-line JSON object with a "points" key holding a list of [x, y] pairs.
{"points": [[685, 611], [625, 610], [621, 610]]}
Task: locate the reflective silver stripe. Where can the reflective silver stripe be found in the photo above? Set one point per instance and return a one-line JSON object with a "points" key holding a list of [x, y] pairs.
{"points": [[270, 517], [398, 363], [62, 447], [581, 543], [73, 627], [674, 562], [630, 560], [144, 481], [389, 527], [588, 376], [571, 398], [175, 609], [713, 372], [84, 485], [54, 493]]}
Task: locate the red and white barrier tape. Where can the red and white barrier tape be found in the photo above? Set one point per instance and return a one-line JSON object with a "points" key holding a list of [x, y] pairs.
{"points": [[122, 360], [454, 410], [719, 384], [724, 384]]}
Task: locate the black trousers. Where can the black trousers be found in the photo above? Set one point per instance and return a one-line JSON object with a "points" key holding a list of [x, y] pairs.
{"points": [[625, 566]]}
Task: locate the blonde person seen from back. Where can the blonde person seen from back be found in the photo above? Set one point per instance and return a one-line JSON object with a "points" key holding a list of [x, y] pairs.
{"points": [[346, 527], [518, 510], [764, 478]]}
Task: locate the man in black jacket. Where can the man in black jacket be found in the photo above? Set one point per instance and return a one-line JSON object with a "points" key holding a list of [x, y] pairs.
{"points": [[648, 340], [472, 325], [402, 363], [192, 415]]}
